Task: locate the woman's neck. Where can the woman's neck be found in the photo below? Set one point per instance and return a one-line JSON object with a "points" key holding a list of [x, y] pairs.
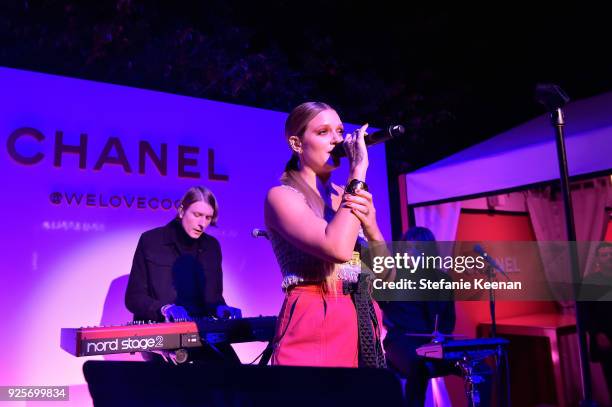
{"points": [[319, 183]]}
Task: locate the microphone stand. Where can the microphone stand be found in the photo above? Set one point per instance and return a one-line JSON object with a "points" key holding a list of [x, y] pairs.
{"points": [[490, 276], [553, 98], [490, 272]]}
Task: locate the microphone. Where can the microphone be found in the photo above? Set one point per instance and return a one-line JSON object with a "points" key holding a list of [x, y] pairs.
{"points": [[479, 250], [260, 233], [380, 136], [551, 96]]}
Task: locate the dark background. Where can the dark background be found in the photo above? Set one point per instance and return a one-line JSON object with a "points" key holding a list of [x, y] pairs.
{"points": [[452, 75]]}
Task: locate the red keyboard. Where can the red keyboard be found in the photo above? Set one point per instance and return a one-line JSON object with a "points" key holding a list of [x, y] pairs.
{"points": [[139, 337]]}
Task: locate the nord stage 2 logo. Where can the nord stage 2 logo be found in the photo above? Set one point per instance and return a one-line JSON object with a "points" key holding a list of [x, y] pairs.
{"points": [[129, 344]]}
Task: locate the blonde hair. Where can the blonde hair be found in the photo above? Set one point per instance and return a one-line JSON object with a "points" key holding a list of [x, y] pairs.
{"points": [[296, 125], [201, 193]]}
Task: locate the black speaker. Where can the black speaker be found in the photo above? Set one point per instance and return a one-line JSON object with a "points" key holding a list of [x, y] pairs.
{"points": [[152, 384]]}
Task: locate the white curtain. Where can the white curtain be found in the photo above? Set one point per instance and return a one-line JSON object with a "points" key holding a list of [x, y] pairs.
{"points": [[441, 219], [547, 215]]}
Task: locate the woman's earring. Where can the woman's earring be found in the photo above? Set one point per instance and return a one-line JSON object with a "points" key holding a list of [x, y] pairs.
{"points": [[294, 143]]}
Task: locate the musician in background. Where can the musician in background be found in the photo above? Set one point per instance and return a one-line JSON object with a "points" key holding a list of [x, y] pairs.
{"points": [[597, 313], [402, 318], [176, 272]]}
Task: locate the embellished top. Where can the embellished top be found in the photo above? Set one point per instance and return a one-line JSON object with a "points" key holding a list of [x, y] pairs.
{"points": [[299, 267]]}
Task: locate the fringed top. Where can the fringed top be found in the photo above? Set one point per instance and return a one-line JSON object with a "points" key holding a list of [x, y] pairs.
{"points": [[299, 267]]}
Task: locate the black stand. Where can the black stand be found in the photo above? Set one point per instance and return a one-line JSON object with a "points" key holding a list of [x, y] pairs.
{"points": [[491, 275], [501, 355], [267, 354], [471, 380], [553, 98]]}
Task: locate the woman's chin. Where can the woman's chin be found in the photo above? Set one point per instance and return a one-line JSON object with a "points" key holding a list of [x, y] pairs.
{"points": [[332, 163], [327, 167]]}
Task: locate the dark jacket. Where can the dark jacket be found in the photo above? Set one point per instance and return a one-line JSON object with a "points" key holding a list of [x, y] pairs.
{"points": [[165, 271]]}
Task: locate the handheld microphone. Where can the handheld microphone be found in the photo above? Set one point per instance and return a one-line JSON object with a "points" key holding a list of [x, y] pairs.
{"points": [[479, 250], [380, 136], [260, 233]]}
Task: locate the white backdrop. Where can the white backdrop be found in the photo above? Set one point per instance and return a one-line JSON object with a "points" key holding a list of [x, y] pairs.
{"points": [[65, 264]]}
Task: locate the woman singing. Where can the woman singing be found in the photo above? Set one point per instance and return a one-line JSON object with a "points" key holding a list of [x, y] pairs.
{"points": [[327, 318]]}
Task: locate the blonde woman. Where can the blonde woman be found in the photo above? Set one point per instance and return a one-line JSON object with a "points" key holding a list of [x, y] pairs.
{"points": [[314, 226]]}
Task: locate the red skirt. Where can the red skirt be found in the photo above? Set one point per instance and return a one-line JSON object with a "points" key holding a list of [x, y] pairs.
{"points": [[317, 328]]}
